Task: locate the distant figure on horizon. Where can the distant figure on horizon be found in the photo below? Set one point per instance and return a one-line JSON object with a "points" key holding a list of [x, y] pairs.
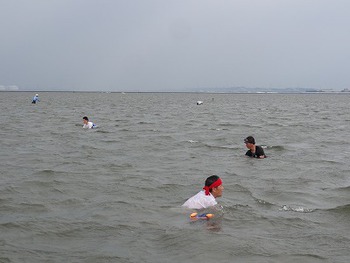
{"points": [[88, 124], [35, 99], [206, 198], [254, 150]]}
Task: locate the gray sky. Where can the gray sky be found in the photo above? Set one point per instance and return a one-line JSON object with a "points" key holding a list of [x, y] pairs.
{"points": [[164, 45]]}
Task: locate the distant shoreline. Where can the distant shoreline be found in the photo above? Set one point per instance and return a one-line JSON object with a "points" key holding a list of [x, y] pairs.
{"points": [[181, 92]]}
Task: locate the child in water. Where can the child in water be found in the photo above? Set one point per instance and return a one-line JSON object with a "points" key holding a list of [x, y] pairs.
{"points": [[88, 124], [35, 99]]}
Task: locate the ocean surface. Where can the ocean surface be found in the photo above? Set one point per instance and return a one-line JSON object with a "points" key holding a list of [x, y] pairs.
{"points": [[114, 194]]}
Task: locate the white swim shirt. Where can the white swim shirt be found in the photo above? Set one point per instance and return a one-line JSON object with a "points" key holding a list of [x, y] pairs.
{"points": [[200, 200], [90, 125]]}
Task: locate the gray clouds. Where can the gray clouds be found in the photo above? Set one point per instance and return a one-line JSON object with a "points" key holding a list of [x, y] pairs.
{"points": [[174, 45]]}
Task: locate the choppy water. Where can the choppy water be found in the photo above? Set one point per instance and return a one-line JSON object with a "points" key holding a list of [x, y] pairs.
{"points": [[114, 194]]}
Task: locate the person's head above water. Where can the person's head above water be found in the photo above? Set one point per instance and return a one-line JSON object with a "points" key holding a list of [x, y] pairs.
{"points": [[254, 150], [213, 185], [85, 120], [206, 198], [249, 139]]}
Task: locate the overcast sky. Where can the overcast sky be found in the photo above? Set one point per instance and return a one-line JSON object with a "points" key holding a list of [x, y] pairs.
{"points": [[164, 45]]}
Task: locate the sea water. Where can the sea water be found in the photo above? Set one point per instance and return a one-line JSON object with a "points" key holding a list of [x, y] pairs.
{"points": [[114, 194]]}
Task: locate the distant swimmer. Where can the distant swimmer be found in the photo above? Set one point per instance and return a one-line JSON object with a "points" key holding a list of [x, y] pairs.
{"points": [[35, 99], [254, 150], [206, 198], [88, 124]]}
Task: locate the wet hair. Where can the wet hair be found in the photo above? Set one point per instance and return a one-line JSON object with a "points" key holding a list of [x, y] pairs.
{"points": [[85, 118], [210, 180], [249, 139]]}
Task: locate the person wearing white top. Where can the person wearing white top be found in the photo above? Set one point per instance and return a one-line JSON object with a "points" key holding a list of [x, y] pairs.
{"points": [[206, 198], [88, 124], [35, 99]]}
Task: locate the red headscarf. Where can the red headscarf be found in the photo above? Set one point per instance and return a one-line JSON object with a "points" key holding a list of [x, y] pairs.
{"points": [[207, 189]]}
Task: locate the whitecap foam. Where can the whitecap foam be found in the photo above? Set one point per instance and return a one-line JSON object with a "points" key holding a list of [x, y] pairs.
{"points": [[296, 209]]}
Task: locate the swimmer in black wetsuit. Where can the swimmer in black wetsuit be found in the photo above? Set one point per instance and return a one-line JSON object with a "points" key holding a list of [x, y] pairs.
{"points": [[254, 150]]}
